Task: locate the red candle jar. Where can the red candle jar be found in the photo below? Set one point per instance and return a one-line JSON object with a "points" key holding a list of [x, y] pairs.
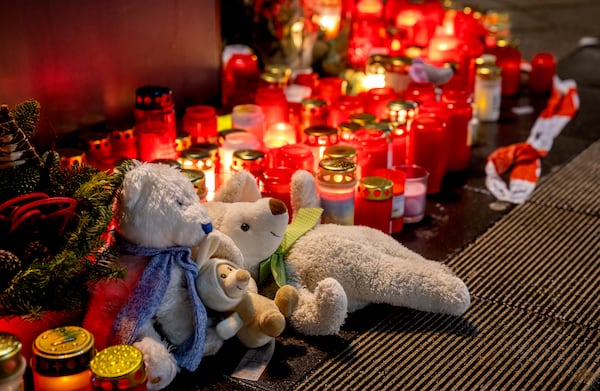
{"points": [[274, 104], [367, 31], [310, 80], [313, 112], [443, 48], [252, 160], [97, 148], [155, 126], [400, 114], [336, 182], [341, 110], [508, 58], [460, 109], [318, 138], [295, 118], [420, 92], [331, 88], [296, 156], [240, 80], [251, 118], [276, 181], [119, 367], [371, 150], [373, 204], [200, 122], [377, 99], [543, 69], [428, 144], [398, 178], [122, 142], [396, 73], [347, 130]]}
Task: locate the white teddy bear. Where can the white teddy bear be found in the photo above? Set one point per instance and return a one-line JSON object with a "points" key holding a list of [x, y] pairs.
{"points": [[336, 269], [156, 307]]}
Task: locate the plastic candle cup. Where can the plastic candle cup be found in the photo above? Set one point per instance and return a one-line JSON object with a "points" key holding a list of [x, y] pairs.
{"points": [[155, 127], [251, 118], [251, 160], [313, 112], [296, 156], [336, 182], [276, 182], [12, 363], [200, 122], [373, 206], [273, 103], [377, 99], [429, 147], [398, 177], [460, 108], [341, 110], [276, 136], [420, 92], [318, 138], [396, 75], [543, 69], [346, 131], [230, 144], [372, 150], [415, 192]]}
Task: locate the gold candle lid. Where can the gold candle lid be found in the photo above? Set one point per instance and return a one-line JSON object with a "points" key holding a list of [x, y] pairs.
{"points": [[340, 152], [319, 135], [362, 118], [183, 140], [198, 179], [249, 154], [347, 128], [311, 102], [63, 350], [401, 104], [338, 171], [489, 71], [10, 355], [122, 365], [375, 188]]}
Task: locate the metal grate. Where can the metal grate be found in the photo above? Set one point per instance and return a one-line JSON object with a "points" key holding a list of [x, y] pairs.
{"points": [[535, 319]]}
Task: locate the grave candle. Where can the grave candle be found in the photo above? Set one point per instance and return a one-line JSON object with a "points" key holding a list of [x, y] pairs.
{"points": [[155, 130], [373, 207], [543, 69], [415, 191], [428, 148], [371, 150], [336, 183], [318, 138], [200, 122]]}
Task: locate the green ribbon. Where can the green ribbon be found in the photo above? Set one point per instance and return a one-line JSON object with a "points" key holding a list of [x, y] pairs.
{"points": [[304, 221]]}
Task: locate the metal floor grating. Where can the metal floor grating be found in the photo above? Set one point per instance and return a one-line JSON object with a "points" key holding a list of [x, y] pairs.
{"points": [[535, 319]]}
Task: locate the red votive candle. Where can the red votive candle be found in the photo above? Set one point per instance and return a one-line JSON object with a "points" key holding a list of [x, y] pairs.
{"points": [[331, 88], [241, 78], [341, 110], [373, 204], [377, 99], [460, 109], [313, 112], [371, 150], [543, 69], [318, 138], [310, 80], [200, 122], [274, 104], [276, 181], [420, 92], [398, 177], [336, 182], [155, 127], [428, 143], [296, 156]]}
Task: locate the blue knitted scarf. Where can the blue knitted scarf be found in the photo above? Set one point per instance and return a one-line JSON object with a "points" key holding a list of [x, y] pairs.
{"points": [[148, 294]]}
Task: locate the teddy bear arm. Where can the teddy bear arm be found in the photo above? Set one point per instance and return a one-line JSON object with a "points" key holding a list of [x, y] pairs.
{"points": [[229, 326]]}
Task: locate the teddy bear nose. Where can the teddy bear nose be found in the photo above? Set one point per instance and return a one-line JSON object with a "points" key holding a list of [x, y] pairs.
{"points": [[207, 228], [277, 206]]}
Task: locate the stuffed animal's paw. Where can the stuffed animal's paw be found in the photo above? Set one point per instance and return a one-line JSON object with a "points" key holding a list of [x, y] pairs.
{"points": [[160, 364], [286, 299], [213, 342], [272, 324], [323, 311]]}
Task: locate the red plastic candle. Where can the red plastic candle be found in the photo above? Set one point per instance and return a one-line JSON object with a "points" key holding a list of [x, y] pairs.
{"points": [[200, 122], [371, 150], [276, 181], [331, 88], [341, 110], [373, 204], [296, 156], [313, 112], [318, 138], [398, 178], [122, 142], [155, 127], [368, 31], [274, 104], [241, 78], [443, 48], [420, 92], [460, 109], [543, 69], [310, 80], [377, 99], [428, 144], [336, 182]]}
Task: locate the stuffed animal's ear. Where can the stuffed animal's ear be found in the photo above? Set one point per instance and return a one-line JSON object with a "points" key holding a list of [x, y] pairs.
{"points": [[303, 191], [241, 187], [218, 245], [133, 184]]}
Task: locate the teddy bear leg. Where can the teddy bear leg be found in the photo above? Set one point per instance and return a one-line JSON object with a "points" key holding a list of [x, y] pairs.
{"points": [[272, 324], [323, 311], [286, 299], [160, 364]]}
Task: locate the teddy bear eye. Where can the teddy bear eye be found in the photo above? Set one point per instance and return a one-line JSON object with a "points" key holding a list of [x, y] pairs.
{"points": [[223, 275], [245, 227], [179, 202]]}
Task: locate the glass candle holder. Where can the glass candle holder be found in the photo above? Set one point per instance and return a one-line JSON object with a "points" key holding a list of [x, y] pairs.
{"points": [[276, 136], [313, 112], [318, 138], [377, 99], [428, 143], [371, 149], [251, 118], [460, 110], [276, 181], [119, 367], [543, 69], [398, 178], [251, 160], [341, 110], [273, 103], [61, 358], [155, 126], [373, 206], [415, 192], [200, 122], [336, 183], [296, 156], [12, 363]]}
